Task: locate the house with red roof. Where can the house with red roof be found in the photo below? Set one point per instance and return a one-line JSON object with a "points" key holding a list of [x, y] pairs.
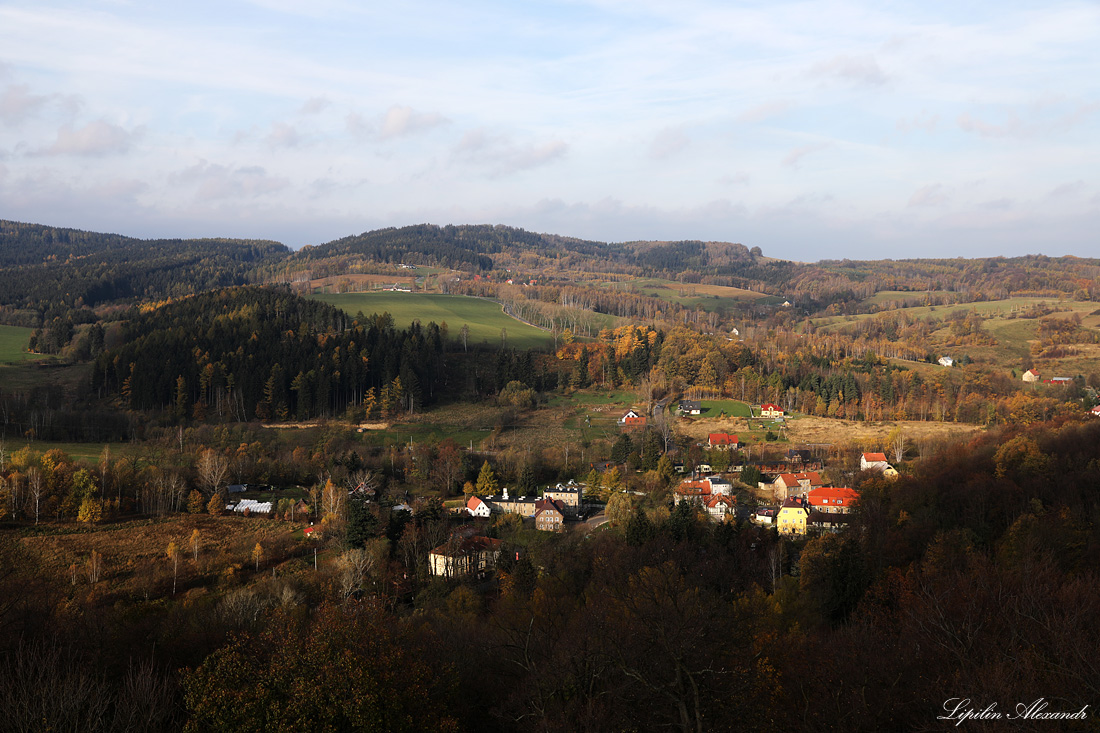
{"points": [[1095, 412], [796, 484], [720, 507], [722, 441], [549, 515], [873, 462], [832, 500], [632, 419], [769, 409], [477, 508], [1031, 376]]}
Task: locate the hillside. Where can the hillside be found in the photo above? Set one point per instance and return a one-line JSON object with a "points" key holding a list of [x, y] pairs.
{"points": [[44, 266]]}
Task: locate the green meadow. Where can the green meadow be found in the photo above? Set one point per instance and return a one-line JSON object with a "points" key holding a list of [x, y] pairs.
{"points": [[484, 317], [13, 344]]}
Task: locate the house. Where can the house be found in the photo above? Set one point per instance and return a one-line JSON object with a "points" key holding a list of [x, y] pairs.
{"points": [[827, 522], [792, 517], [475, 507], [946, 361], [719, 507], [312, 533], [770, 410], [765, 515], [632, 420], [832, 500], [696, 492], [690, 407], [570, 495], [722, 441], [873, 462], [1031, 376], [1061, 381], [799, 455], [459, 556], [549, 515], [1095, 412], [523, 505], [787, 485]]}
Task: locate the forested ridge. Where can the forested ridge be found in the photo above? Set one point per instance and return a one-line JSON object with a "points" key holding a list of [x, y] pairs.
{"points": [[259, 352], [45, 267]]}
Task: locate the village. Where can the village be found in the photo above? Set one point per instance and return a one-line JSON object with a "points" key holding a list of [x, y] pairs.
{"points": [[791, 496]]}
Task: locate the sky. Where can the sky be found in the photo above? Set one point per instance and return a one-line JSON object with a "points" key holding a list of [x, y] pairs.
{"points": [[813, 130]]}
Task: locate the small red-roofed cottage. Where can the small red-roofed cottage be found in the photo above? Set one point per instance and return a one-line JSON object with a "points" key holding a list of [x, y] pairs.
{"points": [[632, 420], [1031, 376], [873, 462], [770, 410], [1095, 412], [477, 508], [832, 500], [722, 441]]}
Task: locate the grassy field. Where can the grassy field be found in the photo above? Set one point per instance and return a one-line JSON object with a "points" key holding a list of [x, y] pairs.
{"points": [[891, 296], [732, 408], [484, 317], [13, 344], [689, 295]]}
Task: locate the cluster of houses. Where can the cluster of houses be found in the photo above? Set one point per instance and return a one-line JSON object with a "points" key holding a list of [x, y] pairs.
{"points": [[824, 509], [713, 494], [548, 511]]}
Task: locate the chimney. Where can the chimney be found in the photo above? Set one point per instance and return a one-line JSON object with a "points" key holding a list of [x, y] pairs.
{"points": [[506, 494]]}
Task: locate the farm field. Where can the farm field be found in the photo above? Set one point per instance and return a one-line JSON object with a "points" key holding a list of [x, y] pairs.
{"points": [[830, 431], [690, 295], [13, 345], [892, 296], [990, 309], [732, 408], [484, 317]]}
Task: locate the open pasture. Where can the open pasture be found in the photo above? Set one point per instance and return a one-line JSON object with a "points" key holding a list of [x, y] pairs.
{"points": [[484, 317], [13, 345]]}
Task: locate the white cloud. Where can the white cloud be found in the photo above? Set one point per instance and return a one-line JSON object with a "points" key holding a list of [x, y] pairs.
{"points": [[501, 157], [764, 111], [313, 105], [214, 182], [794, 158], [668, 142], [856, 69], [931, 195], [399, 121], [283, 135], [95, 138]]}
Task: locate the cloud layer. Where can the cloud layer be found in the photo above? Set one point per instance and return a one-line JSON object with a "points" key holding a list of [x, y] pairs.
{"points": [[840, 129]]}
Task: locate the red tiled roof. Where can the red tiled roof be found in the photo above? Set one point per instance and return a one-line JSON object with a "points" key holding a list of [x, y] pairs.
{"points": [[473, 503], [720, 499], [873, 457], [770, 406], [722, 439], [694, 488], [832, 496]]}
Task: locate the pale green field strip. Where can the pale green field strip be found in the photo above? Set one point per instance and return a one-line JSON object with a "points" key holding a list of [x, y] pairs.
{"points": [[13, 344], [484, 317]]}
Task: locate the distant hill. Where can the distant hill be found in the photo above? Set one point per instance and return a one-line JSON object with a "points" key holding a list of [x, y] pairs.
{"points": [[68, 266]]}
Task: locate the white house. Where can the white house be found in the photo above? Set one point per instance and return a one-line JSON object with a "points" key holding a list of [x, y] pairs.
{"points": [[1031, 376], [478, 508], [770, 410], [873, 462], [946, 361]]}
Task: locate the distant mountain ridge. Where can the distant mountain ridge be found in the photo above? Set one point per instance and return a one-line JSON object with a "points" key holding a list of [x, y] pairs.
{"points": [[75, 267]]}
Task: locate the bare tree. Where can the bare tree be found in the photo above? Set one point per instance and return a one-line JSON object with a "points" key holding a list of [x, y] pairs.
{"points": [[37, 489], [95, 567], [196, 544], [354, 565], [897, 445], [213, 468], [465, 335]]}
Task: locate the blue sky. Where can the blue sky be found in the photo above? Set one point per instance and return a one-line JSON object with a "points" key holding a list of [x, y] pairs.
{"points": [[812, 130]]}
